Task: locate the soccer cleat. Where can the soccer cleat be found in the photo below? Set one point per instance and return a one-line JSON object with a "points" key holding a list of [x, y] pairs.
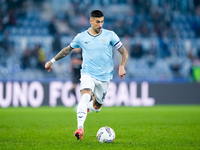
{"points": [[79, 134]]}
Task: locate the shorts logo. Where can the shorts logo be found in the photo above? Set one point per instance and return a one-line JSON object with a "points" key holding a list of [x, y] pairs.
{"points": [[104, 95]]}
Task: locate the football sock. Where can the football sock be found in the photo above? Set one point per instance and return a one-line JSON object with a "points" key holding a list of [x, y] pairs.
{"points": [[82, 109]]}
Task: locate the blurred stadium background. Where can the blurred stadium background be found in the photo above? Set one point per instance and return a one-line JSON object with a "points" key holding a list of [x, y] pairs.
{"points": [[162, 37]]}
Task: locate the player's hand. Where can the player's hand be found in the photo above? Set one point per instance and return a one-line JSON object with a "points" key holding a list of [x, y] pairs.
{"points": [[48, 66], [122, 71]]}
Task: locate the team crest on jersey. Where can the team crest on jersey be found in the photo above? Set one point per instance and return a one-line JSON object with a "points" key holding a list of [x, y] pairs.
{"points": [[103, 41]]}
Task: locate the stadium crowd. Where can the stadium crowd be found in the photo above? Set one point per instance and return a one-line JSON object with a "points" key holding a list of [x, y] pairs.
{"points": [[162, 36]]}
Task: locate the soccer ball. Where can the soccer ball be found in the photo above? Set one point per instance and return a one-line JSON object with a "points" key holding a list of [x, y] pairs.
{"points": [[105, 135]]}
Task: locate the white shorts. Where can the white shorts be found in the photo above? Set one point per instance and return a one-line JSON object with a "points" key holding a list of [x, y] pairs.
{"points": [[99, 88]]}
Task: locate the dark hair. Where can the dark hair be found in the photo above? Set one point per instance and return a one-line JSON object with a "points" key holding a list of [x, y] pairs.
{"points": [[96, 13]]}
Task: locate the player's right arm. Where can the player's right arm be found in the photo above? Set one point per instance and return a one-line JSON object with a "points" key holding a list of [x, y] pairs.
{"points": [[64, 52]]}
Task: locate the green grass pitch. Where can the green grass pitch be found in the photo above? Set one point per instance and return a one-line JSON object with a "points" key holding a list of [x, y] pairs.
{"points": [[138, 128]]}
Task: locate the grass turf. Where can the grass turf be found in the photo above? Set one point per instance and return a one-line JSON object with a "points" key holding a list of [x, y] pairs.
{"points": [[158, 127]]}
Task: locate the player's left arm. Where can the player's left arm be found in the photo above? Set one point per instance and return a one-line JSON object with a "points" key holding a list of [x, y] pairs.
{"points": [[124, 54]]}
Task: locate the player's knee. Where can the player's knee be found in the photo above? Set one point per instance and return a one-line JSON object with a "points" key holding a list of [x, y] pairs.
{"points": [[86, 90]]}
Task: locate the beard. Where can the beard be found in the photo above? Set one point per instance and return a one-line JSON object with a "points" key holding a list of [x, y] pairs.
{"points": [[98, 30]]}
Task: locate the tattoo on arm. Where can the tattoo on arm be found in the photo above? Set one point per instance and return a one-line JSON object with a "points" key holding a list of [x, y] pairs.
{"points": [[64, 52], [124, 54]]}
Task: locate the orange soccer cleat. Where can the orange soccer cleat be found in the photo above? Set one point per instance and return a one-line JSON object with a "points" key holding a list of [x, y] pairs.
{"points": [[79, 134]]}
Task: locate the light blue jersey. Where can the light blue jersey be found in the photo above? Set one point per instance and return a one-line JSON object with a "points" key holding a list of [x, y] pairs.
{"points": [[97, 53]]}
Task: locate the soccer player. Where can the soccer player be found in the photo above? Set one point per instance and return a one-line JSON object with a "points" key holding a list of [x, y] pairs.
{"points": [[97, 66]]}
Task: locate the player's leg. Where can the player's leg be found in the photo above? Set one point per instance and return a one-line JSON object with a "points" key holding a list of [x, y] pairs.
{"points": [[93, 105], [82, 107], [82, 112], [100, 91], [87, 86]]}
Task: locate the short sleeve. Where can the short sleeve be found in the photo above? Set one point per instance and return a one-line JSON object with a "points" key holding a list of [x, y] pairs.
{"points": [[115, 41], [75, 42]]}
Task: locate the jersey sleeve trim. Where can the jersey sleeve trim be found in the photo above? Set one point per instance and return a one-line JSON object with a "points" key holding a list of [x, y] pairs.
{"points": [[71, 46], [118, 45]]}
